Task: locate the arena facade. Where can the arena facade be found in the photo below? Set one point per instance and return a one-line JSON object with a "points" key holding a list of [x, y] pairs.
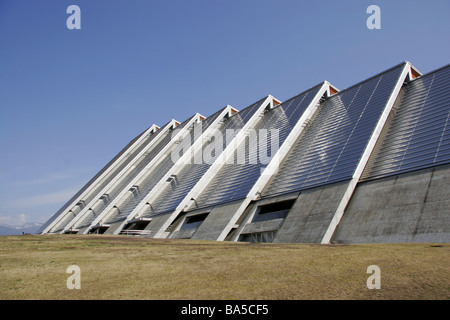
{"points": [[367, 164]]}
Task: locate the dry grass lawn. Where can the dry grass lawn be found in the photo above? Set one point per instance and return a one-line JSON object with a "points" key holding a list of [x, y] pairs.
{"points": [[125, 267]]}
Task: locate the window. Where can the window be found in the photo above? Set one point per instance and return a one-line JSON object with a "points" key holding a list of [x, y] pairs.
{"points": [[138, 225], [194, 221], [278, 210], [263, 237], [99, 230], [267, 231]]}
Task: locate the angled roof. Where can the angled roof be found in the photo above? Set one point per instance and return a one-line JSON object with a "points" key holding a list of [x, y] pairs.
{"points": [[331, 148], [172, 194], [235, 180], [419, 133]]}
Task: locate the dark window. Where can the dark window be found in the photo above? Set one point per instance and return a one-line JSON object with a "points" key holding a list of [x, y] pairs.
{"points": [[263, 237], [194, 221], [272, 211], [99, 230], [139, 225]]}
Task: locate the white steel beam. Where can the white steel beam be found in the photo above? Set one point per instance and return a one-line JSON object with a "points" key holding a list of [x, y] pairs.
{"points": [[272, 167], [219, 162], [185, 158], [408, 73], [116, 179], [104, 214], [83, 195]]}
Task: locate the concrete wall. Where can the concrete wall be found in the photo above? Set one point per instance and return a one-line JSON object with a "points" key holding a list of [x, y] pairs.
{"points": [[246, 223], [156, 223], [183, 234], [113, 227], [311, 214], [82, 230], [216, 221], [411, 207]]}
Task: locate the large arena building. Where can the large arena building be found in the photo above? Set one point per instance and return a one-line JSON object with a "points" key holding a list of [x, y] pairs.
{"points": [[370, 163]]}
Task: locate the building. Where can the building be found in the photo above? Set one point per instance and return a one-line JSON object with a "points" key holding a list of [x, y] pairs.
{"points": [[370, 163]]}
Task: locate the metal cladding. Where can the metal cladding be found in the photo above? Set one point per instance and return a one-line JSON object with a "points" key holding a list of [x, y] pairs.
{"points": [[303, 170], [235, 180], [419, 135], [171, 196], [105, 176], [333, 145]]}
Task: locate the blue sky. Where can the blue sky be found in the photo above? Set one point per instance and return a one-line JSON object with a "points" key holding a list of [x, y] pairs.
{"points": [[70, 100]]}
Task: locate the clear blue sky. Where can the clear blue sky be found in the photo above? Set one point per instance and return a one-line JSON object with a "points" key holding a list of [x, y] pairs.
{"points": [[70, 100]]}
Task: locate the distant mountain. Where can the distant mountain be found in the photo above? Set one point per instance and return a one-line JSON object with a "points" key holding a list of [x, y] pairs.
{"points": [[30, 227]]}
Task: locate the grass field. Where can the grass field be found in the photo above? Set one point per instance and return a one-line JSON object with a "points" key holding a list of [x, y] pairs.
{"points": [[125, 267]]}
